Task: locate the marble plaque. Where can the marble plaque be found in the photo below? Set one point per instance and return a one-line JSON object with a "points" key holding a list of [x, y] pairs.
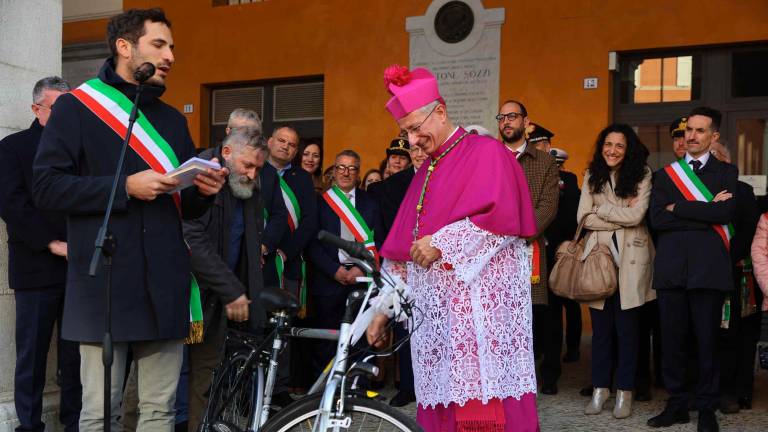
{"points": [[459, 41]]}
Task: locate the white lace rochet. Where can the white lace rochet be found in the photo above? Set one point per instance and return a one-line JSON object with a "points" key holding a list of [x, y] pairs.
{"points": [[475, 341]]}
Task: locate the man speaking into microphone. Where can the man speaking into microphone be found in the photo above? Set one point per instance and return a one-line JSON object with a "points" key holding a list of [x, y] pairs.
{"points": [[151, 283]]}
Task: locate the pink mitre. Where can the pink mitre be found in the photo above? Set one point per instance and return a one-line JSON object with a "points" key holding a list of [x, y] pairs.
{"points": [[410, 90]]}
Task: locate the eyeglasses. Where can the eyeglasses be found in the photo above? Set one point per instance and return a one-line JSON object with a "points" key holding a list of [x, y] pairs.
{"points": [[511, 116], [414, 130], [344, 168], [46, 107], [415, 150]]}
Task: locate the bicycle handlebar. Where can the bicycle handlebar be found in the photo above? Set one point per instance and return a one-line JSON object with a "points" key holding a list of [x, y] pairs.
{"points": [[353, 248]]}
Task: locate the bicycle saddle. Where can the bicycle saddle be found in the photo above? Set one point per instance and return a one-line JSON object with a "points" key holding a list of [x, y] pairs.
{"points": [[274, 299]]}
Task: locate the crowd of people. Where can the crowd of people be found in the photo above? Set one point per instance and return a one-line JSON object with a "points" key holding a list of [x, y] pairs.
{"points": [[470, 222]]}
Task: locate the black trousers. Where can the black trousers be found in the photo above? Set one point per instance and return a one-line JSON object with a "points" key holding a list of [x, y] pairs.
{"points": [[572, 323], [738, 344], [649, 348], [329, 310], [37, 311], [606, 323], [699, 311], [548, 335], [404, 359]]}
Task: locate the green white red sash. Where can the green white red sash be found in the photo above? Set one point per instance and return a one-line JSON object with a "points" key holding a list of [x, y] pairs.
{"points": [[693, 189], [113, 108], [292, 204], [350, 217]]}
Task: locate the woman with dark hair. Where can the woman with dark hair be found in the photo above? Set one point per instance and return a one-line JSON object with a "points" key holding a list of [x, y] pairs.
{"points": [[614, 200], [371, 176], [310, 158]]}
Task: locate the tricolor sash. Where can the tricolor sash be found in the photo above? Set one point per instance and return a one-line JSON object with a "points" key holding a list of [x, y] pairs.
{"points": [[113, 108], [292, 204], [294, 216], [350, 217], [693, 189]]}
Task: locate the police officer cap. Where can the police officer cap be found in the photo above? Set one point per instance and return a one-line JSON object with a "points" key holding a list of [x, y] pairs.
{"points": [[559, 154], [677, 128], [399, 146], [539, 133]]}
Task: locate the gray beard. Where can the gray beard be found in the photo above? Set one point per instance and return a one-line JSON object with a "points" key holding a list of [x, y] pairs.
{"points": [[240, 185]]}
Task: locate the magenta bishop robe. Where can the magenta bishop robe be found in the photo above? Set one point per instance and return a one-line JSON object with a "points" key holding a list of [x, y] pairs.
{"points": [[473, 353]]}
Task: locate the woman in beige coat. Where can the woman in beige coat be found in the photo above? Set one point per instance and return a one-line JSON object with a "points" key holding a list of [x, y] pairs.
{"points": [[614, 200]]}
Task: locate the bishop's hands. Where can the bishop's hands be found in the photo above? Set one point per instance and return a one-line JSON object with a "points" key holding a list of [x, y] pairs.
{"points": [[423, 253]]}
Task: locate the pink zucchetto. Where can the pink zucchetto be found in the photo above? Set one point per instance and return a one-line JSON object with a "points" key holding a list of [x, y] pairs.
{"points": [[410, 90]]}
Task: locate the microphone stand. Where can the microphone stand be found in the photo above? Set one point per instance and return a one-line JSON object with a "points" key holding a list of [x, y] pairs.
{"points": [[106, 245]]}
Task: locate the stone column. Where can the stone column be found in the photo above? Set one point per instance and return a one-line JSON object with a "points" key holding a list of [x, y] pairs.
{"points": [[30, 32]]}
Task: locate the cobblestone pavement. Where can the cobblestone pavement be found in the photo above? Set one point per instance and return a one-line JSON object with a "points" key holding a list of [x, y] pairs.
{"points": [[565, 411]]}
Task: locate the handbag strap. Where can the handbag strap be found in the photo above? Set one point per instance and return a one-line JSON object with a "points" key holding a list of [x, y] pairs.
{"points": [[581, 227], [572, 246]]}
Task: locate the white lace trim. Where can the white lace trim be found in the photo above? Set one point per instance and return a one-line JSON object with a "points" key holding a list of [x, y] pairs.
{"points": [[475, 341]]}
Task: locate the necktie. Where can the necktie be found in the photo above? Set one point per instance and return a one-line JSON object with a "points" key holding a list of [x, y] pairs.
{"points": [[696, 165]]}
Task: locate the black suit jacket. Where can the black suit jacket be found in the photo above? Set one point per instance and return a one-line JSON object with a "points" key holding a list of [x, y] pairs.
{"points": [[209, 241], [325, 257], [564, 226], [30, 263], [73, 172], [744, 222], [294, 243], [277, 220], [389, 194], [689, 253]]}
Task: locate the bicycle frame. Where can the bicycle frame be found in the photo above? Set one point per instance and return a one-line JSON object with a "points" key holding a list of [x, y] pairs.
{"points": [[332, 378]]}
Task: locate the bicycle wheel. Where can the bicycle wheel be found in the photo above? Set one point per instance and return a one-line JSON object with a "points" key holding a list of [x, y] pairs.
{"points": [[230, 403], [366, 414]]}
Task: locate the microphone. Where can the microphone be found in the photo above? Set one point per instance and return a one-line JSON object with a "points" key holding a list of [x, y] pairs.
{"points": [[144, 72]]}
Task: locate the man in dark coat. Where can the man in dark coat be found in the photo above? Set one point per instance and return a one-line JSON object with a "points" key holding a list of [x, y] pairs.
{"points": [[151, 271], [692, 268], [561, 229], [37, 270], [275, 213], [300, 201], [542, 174], [334, 275], [225, 246], [740, 335]]}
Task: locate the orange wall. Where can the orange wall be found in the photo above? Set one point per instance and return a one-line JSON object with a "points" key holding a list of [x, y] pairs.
{"points": [[548, 47]]}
